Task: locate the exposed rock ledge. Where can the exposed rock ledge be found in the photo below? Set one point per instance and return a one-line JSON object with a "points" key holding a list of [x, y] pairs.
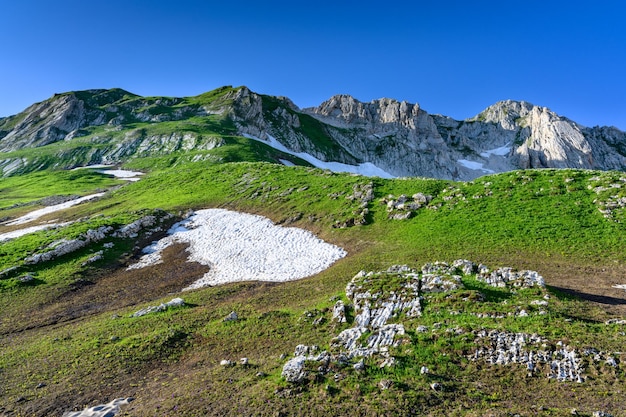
{"points": [[384, 302]]}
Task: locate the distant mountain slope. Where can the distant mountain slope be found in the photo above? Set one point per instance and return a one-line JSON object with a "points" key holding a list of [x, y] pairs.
{"points": [[116, 127]]}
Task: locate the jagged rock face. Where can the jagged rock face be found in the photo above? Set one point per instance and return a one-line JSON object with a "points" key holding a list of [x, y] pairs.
{"points": [[405, 140], [263, 116], [543, 139], [122, 120], [398, 137], [48, 122]]}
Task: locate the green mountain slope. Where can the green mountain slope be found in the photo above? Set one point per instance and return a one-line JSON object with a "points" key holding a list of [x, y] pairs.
{"points": [[68, 341], [228, 124], [116, 127]]}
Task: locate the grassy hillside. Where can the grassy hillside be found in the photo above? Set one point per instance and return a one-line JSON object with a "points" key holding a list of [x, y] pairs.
{"points": [[67, 338]]}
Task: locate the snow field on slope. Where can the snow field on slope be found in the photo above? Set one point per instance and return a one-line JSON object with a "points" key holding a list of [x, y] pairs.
{"points": [[245, 247], [367, 168]]}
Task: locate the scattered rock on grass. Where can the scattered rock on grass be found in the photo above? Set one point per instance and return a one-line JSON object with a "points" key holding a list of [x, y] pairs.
{"points": [[176, 302], [232, 316]]}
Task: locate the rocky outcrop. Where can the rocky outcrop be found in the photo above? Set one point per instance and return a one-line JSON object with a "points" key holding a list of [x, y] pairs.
{"points": [[176, 302], [398, 137], [501, 348], [387, 304], [405, 140], [146, 226]]}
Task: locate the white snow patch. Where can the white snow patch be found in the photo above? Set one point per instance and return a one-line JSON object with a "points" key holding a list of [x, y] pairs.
{"points": [[34, 215], [123, 174], [287, 163], [501, 151], [103, 410], [245, 247], [367, 169], [620, 286], [21, 232], [474, 165]]}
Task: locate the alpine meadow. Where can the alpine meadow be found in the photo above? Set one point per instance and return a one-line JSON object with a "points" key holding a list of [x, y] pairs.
{"points": [[412, 264]]}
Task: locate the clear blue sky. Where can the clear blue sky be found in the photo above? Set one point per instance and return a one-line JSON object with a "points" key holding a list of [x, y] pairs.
{"points": [[452, 57]]}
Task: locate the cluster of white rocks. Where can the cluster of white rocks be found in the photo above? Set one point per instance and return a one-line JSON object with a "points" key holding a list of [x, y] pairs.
{"points": [[504, 277], [176, 302], [504, 348], [149, 224], [380, 300], [377, 298], [611, 195], [64, 246], [362, 194], [403, 207]]}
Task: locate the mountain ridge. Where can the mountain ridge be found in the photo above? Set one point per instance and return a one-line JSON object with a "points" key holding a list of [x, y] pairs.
{"points": [[115, 126]]}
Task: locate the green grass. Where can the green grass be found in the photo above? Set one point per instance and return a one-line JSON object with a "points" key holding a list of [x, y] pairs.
{"points": [[30, 188], [170, 360]]}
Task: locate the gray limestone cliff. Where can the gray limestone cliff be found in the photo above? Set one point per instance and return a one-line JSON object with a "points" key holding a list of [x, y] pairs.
{"points": [[115, 126], [405, 140]]}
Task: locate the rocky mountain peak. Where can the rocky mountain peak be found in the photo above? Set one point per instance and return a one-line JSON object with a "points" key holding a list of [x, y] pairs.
{"points": [[507, 113], [346, 109], [396, 136]]}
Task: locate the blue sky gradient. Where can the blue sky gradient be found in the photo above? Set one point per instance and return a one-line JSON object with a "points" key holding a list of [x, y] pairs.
{"points": [[452, 57]]}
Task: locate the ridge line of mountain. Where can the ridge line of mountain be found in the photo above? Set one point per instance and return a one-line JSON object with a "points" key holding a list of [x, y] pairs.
{"points": [[115, 126]]}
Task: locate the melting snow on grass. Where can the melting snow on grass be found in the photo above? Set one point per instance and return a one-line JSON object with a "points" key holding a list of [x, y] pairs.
{"points": [[121, 174], [21, 232], [34, 215], [245, 247], [367, 168], [104, 410]]}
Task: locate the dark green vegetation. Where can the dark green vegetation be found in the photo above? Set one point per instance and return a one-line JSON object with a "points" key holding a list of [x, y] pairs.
{"points": [[70, 331]]}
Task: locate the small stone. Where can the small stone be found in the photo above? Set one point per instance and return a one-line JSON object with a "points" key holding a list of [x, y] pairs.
{"points": [[385, 384], [243, 361], [260, 374], [610, 360], [339, 312], [114, 338], [359, 366], [294, 371], [421, 329], [436, 386], [388, 363], [41, 385], [318, 321], [227, 363], [24, 279], [231, 317], [424, 370]]}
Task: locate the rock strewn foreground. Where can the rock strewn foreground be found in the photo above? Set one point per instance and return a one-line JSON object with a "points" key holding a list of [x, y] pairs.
{"points": [[386, 304]]}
